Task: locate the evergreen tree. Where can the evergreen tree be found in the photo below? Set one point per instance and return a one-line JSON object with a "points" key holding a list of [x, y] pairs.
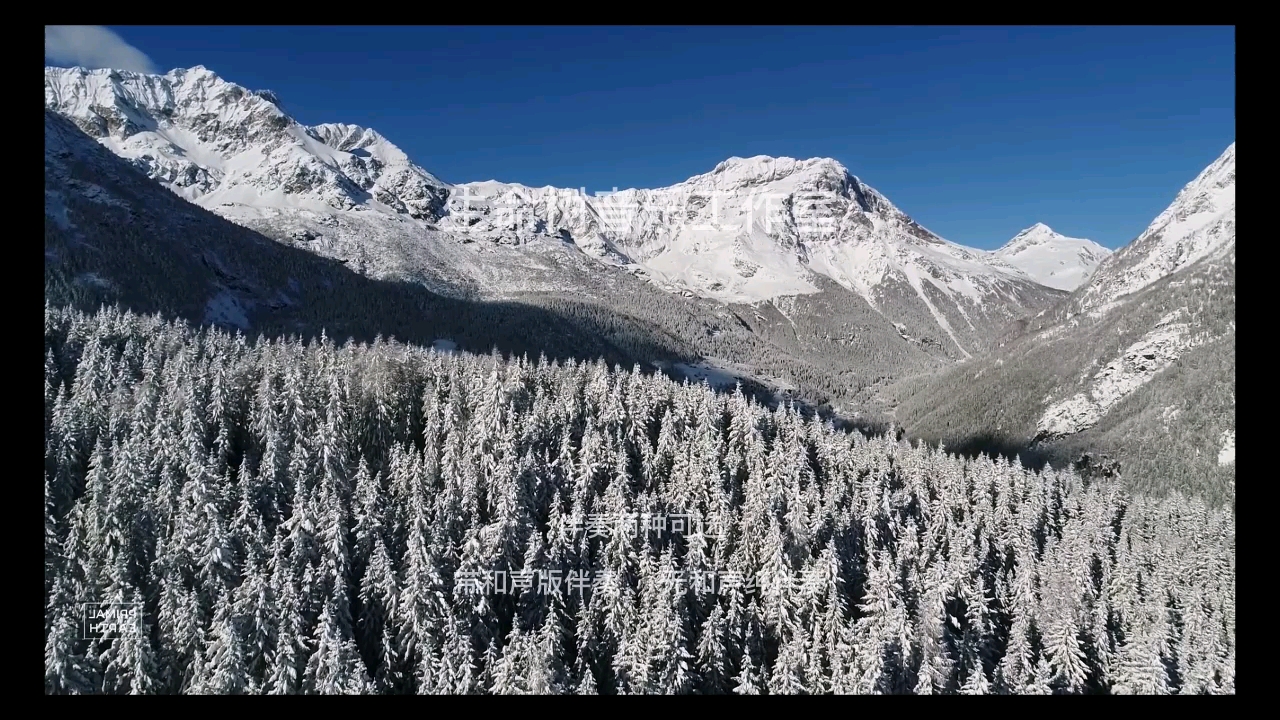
{"points": [[298, 518]]}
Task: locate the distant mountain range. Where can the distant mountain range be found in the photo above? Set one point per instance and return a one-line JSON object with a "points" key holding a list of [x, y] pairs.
{"points": [[749, 231], [792, 276]]}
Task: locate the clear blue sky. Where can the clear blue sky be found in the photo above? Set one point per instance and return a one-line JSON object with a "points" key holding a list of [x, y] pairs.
{"points": [[975, 132]]}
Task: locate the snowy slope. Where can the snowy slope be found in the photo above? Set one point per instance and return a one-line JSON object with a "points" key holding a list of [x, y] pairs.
{"points": [[1051, 258], [1201, 222], [750, 231]]}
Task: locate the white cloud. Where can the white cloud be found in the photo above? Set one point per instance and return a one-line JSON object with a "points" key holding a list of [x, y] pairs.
{"points": [[92, 46]]}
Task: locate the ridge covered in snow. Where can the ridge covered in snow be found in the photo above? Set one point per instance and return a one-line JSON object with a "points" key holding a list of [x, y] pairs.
{"points": [[1200, 222], [1131, 364], [1053, 259]]}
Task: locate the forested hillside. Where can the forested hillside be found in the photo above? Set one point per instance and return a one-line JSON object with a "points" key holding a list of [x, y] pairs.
{"points": [[1151, 382], [379, 518]]}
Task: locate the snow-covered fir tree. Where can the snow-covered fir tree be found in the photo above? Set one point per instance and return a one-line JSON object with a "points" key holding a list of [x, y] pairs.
{"points": [[316, 517]]}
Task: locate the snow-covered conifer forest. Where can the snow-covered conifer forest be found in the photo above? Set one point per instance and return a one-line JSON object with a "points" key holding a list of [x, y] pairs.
{"points": [[336, 517]]}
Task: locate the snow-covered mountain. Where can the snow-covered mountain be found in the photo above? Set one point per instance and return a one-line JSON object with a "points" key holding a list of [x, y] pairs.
{"points": [[115, 236], [1051, 258], [758, 228], [1139, 361], [222, 146], [1200, 223], [750, 231], [790, 273], [1187, 251]]}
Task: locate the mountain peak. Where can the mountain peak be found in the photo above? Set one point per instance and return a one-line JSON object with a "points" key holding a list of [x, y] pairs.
{"points": [[361, 141], [1037, 234], [783, 166], [1051, 258], [196, 71], [739, 173]]}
